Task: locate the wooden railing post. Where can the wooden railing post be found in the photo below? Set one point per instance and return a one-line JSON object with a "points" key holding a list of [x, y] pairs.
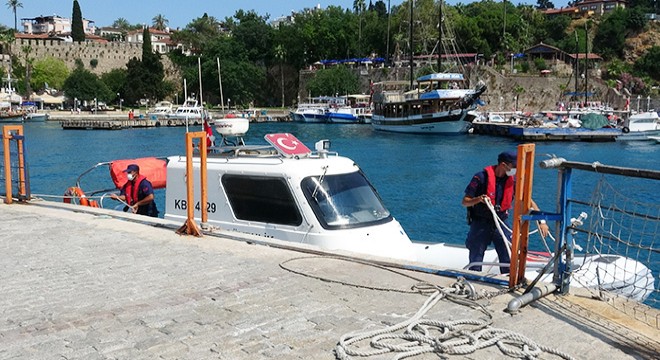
{"points": [[521, 206], [190, 227], [7, 135]]}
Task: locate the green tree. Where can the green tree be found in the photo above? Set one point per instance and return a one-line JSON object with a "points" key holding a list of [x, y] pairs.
{"points": [[198, 33], [254, 33], [146, 75], [49, 72], [544, 4], [337, 80], [13, 5], [649, 63], [77, 29], [115, 80], [159, 22], [84, 85]]}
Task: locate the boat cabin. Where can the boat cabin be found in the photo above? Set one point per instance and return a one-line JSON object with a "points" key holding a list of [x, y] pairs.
{"points": [[284, 191]]}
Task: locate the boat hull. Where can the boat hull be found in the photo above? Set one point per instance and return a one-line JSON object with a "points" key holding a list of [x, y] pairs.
{"points": [[638, 135], [446, 122]]}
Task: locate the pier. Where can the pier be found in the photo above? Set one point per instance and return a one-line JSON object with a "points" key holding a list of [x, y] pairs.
{"points": [[531, 133], [80, 282], [115, 120]]}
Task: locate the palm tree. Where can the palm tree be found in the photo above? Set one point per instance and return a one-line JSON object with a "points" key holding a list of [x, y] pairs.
{"points": [[280, 53], [160, 22], [121, 23], [359, 7], [13, 4]]}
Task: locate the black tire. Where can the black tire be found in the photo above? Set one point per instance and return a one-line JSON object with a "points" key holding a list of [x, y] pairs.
{"points": [[625, 130]]}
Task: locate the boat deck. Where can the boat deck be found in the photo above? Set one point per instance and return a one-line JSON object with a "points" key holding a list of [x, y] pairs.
{"points": [[90, 283]]}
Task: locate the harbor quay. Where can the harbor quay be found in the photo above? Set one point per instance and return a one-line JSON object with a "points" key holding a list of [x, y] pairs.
{"points": [[86, 283], [116, 120]]}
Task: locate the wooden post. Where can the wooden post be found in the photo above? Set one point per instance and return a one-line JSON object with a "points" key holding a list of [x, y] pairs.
{"points": [[521, 205], [190, 227], [6, 137]]}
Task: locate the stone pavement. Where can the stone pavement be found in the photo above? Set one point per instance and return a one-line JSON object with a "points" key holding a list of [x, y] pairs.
{"points": [[76, 285]]}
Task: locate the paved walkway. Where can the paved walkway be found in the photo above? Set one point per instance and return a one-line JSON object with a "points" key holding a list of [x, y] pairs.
{"points": [[90, 286]]}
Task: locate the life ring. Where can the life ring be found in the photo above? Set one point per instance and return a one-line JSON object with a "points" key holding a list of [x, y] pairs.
{"points": [[625, 130], [76, 192]]}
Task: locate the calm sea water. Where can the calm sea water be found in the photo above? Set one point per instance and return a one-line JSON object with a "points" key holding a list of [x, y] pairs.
{"points": [[421, 179]]}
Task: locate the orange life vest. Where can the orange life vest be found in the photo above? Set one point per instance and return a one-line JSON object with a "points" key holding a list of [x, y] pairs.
{"points": [[491, 188], [132, 188]]}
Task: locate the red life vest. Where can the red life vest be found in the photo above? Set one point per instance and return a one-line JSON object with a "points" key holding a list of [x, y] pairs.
{"points": [[131, 190], [491, 188]]}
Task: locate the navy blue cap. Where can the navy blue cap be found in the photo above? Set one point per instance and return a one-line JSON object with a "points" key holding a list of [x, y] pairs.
{"points": [[132, 167], [508, 157]]}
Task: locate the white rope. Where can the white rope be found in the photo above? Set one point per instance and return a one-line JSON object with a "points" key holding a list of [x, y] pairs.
{"points": [[457, 337]]}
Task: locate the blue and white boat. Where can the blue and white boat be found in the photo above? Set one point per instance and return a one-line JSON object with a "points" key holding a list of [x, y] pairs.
{"points": [[640, 127], [314, 111], [352, 109], [439, 105]]}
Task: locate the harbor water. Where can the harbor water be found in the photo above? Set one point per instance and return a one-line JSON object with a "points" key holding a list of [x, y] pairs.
{"points": [[420, 178]]}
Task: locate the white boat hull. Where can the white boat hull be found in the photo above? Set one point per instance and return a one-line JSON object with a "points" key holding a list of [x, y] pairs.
{"points": [[447, 122]]}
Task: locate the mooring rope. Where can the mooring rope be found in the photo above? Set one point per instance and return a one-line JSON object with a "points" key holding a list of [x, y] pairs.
{"points": [[456, 337]]}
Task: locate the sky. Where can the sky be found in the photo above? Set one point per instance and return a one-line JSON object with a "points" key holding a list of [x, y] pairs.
{"points": [[178, 12]]}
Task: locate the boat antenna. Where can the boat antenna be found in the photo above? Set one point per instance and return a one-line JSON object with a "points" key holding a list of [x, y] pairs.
{"points": [[411, 43]]}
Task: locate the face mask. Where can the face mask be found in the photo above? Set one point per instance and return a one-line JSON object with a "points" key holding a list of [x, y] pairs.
{"points": [[131, 176], [511, 172]]}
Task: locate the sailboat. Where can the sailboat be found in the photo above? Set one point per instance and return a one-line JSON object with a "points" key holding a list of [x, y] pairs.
{"points": [[438, 104]]}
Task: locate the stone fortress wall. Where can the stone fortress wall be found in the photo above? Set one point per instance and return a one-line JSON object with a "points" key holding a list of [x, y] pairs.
{"points": [[109, 56]]}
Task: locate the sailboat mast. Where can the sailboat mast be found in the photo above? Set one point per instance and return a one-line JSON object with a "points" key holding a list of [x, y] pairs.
{"points": [[440, 38], [586, 63], [577, 65], [222, 99], [411, 43]]}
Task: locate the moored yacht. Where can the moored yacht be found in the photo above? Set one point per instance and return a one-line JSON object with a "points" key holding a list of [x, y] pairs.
{"points": [[190, 111]]}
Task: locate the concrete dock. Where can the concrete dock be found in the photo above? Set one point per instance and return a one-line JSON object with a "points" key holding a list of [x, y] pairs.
{"points": [[83, 283]]}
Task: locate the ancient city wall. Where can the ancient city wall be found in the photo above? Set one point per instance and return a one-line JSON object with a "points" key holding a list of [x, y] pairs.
{"points": [[109, 56]]}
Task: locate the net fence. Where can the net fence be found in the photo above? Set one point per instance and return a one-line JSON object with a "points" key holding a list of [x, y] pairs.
{"points": [[618, 244]]}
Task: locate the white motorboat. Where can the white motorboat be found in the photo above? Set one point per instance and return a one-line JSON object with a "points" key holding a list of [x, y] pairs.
{"points": [[190, 111], [286, 192], [161, 111], [640, 126], [313, 111]]}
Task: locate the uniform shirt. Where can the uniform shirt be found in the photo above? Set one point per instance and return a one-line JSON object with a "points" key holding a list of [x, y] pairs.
{"points": [[144, 189], [477, 187]]}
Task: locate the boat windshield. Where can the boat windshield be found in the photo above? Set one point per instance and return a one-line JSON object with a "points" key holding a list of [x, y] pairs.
{"points": [[344, 201]]}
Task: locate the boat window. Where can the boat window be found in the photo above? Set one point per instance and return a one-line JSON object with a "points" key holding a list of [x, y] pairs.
{"points": [[344, 201], [260, 198]]}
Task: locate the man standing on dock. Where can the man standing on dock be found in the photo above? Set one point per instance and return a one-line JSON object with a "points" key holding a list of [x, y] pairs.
{"points": [[495, 184], [137, 193]]}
